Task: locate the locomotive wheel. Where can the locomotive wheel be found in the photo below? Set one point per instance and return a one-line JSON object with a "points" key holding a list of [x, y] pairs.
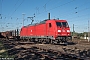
{"points": [[48, 41], [52, 41]]}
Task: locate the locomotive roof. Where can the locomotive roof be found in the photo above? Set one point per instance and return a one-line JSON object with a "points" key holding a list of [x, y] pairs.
{"points": [[43, 22]]}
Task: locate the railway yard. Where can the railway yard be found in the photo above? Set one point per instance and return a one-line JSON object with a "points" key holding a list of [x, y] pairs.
{"points": [[44, 29], [20, 50]]}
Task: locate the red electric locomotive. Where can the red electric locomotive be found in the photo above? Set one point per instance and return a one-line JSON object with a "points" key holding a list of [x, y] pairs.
{"points": [[50, 31]]}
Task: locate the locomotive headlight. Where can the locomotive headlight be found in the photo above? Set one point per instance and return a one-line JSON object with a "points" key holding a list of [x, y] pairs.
{"points": [[59, 30], [68, 30]]}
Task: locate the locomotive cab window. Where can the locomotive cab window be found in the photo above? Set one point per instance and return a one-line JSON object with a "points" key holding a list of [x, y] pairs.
{"points": [[58, 24], [50, 25], [64, 24]]}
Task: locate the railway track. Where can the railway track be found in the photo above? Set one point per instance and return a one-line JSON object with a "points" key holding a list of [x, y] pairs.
{"points": [[35, 52]]}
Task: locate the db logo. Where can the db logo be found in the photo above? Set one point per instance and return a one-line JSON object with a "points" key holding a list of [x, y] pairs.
{"points": [[63, 30]]}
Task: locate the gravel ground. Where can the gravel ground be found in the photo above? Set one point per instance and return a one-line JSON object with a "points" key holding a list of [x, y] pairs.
{"points": [[80, 48], [81, 45]]}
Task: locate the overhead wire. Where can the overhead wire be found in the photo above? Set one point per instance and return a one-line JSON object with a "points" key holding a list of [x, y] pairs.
{"points": [[16, 10], [1, 9], [79, 12], [37, 10], [56, 7], [75, 8], [76, 12], [10, 16], [14, 6], [17, 7], [52, 9]]}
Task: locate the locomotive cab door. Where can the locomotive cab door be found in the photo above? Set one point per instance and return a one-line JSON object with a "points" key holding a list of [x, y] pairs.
{"points": [[49, 30]]}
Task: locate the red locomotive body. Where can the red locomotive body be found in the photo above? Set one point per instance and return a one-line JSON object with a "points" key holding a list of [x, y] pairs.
{"points": [[48, 31]]}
